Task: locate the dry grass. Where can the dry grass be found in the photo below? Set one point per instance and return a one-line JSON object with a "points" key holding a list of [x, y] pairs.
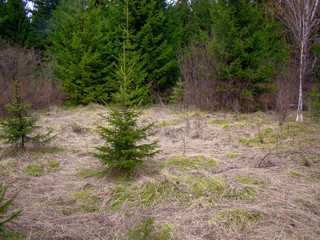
{"points": [[65, 193]]}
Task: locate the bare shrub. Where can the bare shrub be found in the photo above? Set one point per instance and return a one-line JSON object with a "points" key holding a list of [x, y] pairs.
{"points": [[286, 94], [35, 74], [198, 69]]}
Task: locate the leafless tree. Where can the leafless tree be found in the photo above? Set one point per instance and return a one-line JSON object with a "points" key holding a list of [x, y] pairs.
{"points": [[301, 17], [35, 75]]}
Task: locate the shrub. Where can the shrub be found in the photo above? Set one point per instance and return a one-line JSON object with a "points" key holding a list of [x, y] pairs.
{"points": [[35, 74]]}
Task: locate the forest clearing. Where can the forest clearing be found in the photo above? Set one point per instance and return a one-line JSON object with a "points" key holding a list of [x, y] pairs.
{"points": [[159, 119], [219, 175]]}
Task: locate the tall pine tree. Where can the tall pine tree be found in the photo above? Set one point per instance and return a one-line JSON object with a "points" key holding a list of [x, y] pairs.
{"points": [[41, 15], [14, 22], [79, 41], [249, 48]]}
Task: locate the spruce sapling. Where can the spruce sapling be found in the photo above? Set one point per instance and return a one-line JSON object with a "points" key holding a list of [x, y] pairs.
{"points": [[20, 127]]}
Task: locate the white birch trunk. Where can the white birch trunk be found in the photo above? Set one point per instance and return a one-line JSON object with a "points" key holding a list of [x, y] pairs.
{"points": [[300, 16]]}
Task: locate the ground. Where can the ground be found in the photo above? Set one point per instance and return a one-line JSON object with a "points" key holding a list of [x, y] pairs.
{"points": [[218, 176]]}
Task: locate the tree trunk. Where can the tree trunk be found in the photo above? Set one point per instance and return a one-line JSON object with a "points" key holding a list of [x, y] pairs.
{"points": [[302, 70]]}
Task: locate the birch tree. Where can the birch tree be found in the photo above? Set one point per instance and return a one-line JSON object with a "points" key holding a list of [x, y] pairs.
{"points": [[301, 17]]}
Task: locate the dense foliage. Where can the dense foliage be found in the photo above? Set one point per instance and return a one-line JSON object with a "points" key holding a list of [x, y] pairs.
{"points": [[245, 47]]}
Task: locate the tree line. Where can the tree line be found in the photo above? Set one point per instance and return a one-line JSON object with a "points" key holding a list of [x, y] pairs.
{"points": [[234, 55]]}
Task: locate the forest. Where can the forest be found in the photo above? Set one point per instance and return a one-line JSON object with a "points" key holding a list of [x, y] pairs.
{"points": [[159, 119], [241, 55]]}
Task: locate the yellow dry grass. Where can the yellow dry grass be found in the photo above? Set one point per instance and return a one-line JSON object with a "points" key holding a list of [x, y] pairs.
{"points": [[262, 181]]}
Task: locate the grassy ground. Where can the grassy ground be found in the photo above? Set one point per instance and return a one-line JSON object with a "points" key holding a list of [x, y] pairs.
{"points": [[219, 176]]}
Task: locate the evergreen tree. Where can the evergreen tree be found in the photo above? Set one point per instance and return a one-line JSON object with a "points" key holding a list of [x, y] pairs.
{"points": [[80, 43], [150, 31], [41, 15], [124, 147], [249, 48], [6, 217], [14, 22], [20, 127]]}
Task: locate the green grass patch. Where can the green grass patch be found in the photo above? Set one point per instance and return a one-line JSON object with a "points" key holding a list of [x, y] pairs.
{"points": [[86, 199], [147, 192], [167, 123], [233, 155], [248, 180], [41, 168], [92, 173], [237, 219], [226, 126], [147, 230], [293, 174], [194, 163], [219, 121]]}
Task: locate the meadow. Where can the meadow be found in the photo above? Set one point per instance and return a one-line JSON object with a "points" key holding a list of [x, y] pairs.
{"points": [[219, 175]]}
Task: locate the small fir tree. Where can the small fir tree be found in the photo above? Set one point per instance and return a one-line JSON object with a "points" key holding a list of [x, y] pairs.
{"points": [[178, 93], [19, 128], [124, 147]]}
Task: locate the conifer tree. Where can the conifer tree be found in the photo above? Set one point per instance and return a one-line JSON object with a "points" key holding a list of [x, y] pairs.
{"points": [[41, 15], [124, 147], [14, 22], [79, 41], [5, 216], [20, 127]]}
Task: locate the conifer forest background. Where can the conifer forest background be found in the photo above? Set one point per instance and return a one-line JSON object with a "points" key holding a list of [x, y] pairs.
{"points": [[159, 119], [228, 55]]}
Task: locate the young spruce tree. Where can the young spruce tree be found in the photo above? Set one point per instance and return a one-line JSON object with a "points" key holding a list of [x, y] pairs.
{"points": [[124, 147], [19, 128]]}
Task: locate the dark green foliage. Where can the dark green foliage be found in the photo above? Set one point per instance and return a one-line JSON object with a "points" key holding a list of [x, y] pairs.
{"points": [[41, 15], [125, 147], [83, 53], [314, 103], [14, 22], [149, 28], [6, 217], [159, 58], [249, 48], [19, 128]]}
